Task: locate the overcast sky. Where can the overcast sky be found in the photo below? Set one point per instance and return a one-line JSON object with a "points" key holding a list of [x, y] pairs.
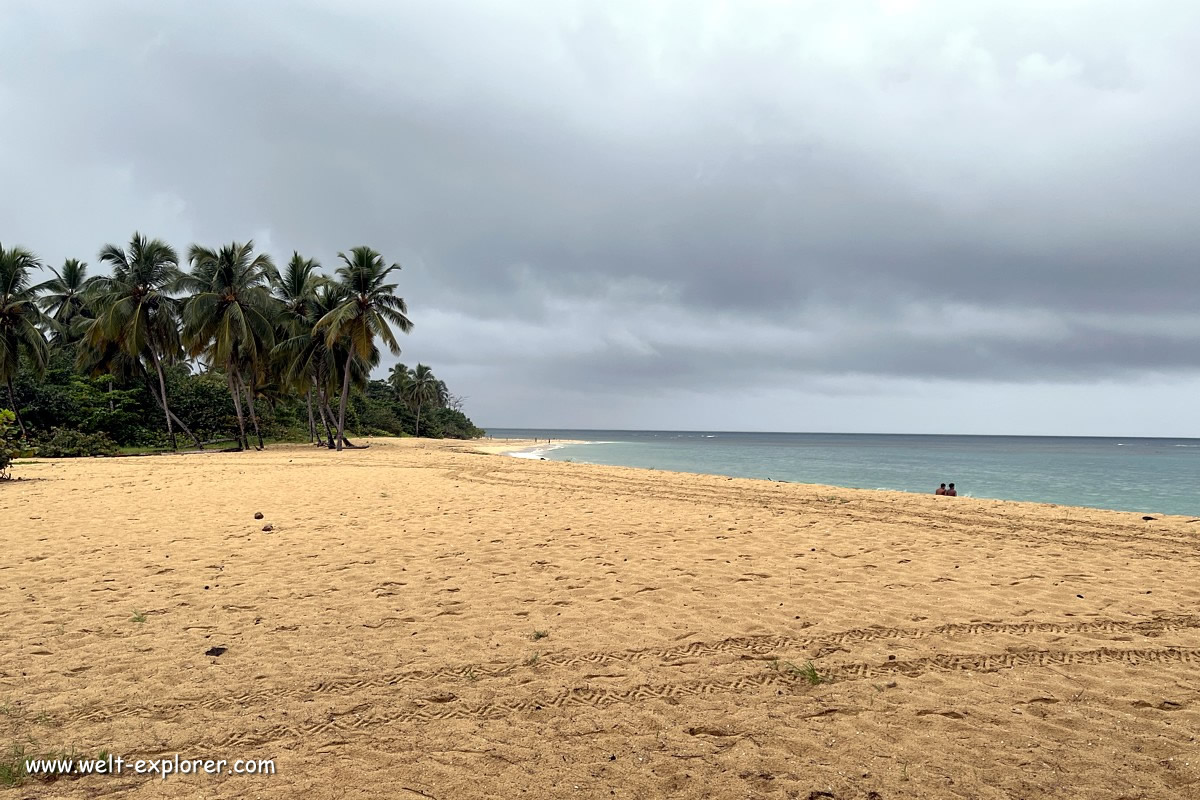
{"points": [[885, 215]]}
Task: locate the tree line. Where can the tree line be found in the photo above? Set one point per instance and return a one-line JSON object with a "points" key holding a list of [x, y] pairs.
{"points": [[162, 333]]}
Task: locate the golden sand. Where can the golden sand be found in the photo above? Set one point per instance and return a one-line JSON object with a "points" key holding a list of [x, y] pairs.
{"points": [[426, 620]]}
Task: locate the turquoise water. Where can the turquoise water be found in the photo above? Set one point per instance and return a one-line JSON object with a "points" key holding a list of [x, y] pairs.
{"points": [[1149, 475]]}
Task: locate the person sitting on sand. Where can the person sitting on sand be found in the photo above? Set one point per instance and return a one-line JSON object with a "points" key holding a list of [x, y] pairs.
{"points": [[941, 489], [951, 492]]}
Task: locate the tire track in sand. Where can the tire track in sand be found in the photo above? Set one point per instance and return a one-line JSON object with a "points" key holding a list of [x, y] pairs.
{"points": [[749, 646], [354, 722]]}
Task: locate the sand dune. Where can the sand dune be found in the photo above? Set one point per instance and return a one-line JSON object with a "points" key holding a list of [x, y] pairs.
{"points": [[423, 620]]}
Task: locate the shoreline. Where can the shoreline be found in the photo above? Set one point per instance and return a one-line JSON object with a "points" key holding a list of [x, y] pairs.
{"points": [[510, 446], [1158, 515], [514, 448]]}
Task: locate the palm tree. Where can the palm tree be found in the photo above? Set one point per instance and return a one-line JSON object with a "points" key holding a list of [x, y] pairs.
{"points": [[20, 321], [310, 363], [369, 309], [399, 378], [66, 299], [230, 317], [296, 290], [134, 310], [425, 389], [360, 375], [306, 362], [296, 287]]}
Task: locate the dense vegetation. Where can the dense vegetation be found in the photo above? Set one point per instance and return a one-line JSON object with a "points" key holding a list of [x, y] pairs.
{"points": [[229, 349], [8, 440]]}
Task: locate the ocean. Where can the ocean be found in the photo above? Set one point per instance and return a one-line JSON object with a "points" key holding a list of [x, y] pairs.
{"points": [[1153, 476]]}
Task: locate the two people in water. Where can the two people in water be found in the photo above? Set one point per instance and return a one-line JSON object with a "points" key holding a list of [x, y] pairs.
{"points": [[951, 492]]}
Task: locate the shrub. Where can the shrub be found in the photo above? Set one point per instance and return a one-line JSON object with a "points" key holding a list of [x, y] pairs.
{"points": [[455, 424], [8, 440], [376, 416], [67, 443]]}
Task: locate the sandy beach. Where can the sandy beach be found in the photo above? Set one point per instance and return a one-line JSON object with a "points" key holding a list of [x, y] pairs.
{"points": [[426, 619]]}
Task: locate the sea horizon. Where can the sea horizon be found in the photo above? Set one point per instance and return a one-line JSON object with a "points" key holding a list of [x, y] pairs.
{"points": [[545, 431], [1148, 474]]}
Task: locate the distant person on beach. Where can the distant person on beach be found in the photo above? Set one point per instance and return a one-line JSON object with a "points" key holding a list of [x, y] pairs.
{"points": [[951, 492], [941, 489]]}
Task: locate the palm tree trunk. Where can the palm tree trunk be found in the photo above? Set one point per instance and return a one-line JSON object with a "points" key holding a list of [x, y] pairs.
{"points": [[332, 418], [12, 401], [253, 415], [322, 407], [342, 404], [162, 387], [182, 426], [418, 433], [312, 422], [111, 408], [237, 407], [187, 430], [325, 416]]}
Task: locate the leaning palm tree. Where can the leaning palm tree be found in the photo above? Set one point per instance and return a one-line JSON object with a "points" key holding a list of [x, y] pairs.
{"points": [[425, 390], [20, 321], [229, 317], [295, 290], [65, 300], [134, 309], [369, 309], [341, 356]]}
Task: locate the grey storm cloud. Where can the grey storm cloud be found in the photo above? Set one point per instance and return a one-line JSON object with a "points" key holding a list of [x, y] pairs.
{"points": [[624, 195]]}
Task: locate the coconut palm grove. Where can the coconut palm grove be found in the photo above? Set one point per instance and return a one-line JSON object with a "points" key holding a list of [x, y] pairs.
{"points": [[221, 349]]}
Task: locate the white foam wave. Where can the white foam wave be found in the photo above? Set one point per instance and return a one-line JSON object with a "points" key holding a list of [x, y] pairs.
{"points": [[535, 452]]}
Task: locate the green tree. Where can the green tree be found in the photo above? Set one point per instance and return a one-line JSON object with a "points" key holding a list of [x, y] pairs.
{"points": [[65, 397], [424, 389], [295, 289], [108, 360], [229, 317], [65, 298], [399, 378], [308, 360], [134, 310], [456, 425], [264, 337], [368, 309], [21, 321], [203, 399], [9, 447]]}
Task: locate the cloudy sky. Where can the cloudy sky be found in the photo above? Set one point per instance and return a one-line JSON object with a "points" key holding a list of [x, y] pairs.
{"points": [[856, 215]]}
